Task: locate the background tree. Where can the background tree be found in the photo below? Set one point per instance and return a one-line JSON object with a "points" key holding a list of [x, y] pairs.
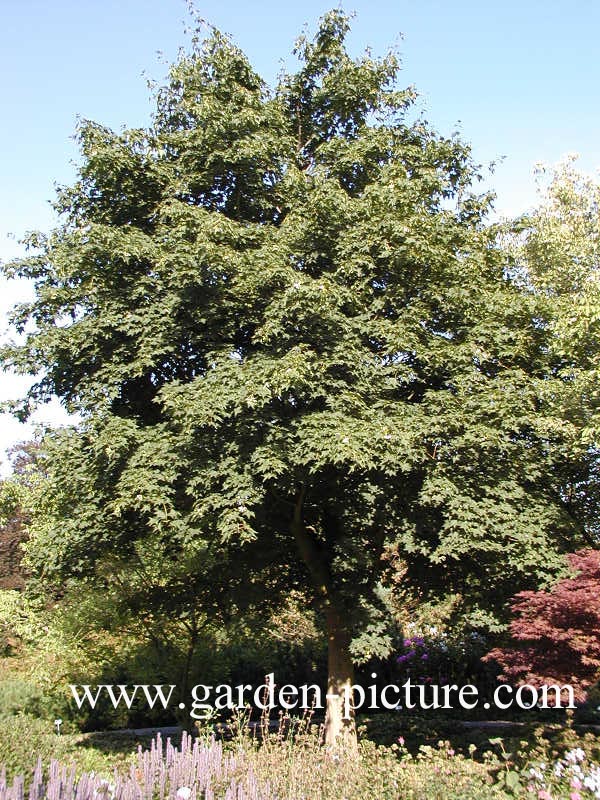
{"points": [[556, 249], [556, 633], [12, 535], [294, 348], [15, 512]]}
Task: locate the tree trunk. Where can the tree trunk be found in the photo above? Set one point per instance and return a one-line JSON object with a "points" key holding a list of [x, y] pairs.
{"points": [[340, 728]]}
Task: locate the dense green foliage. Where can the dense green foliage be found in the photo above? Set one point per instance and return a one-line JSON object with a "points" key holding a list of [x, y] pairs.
{"points": [[556, 251]]}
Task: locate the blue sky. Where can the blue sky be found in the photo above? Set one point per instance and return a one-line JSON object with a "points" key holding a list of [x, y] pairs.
{"points": [[518, 79]]}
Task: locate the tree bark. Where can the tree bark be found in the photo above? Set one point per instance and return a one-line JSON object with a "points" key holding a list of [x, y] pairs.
{"points": [[340, 728]]}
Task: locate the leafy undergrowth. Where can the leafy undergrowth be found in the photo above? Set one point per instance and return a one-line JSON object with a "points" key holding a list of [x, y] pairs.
{"points": [[289, 766], [273, 769], [25, 739]]}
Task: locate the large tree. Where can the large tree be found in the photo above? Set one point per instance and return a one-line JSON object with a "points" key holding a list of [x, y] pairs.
{"points": [[294, 346]]}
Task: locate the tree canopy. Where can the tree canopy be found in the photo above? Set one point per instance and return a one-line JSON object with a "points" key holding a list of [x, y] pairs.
{"points": [[556, 248], [299, 355]]}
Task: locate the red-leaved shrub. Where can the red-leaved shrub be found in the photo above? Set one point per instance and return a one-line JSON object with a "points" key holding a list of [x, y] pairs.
{"points": [[556, 634]]}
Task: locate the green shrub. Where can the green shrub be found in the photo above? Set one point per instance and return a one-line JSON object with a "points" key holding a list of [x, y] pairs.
{"points": [[24, 697], [24, 739]]}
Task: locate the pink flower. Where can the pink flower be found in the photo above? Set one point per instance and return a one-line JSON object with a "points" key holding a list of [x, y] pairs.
{"points": [[575, 783], [450, 752], [575, 796], [401, 741], [544, 795]]}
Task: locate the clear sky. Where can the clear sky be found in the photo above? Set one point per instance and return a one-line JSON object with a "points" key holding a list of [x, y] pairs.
{"points": [[520, 80]]}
